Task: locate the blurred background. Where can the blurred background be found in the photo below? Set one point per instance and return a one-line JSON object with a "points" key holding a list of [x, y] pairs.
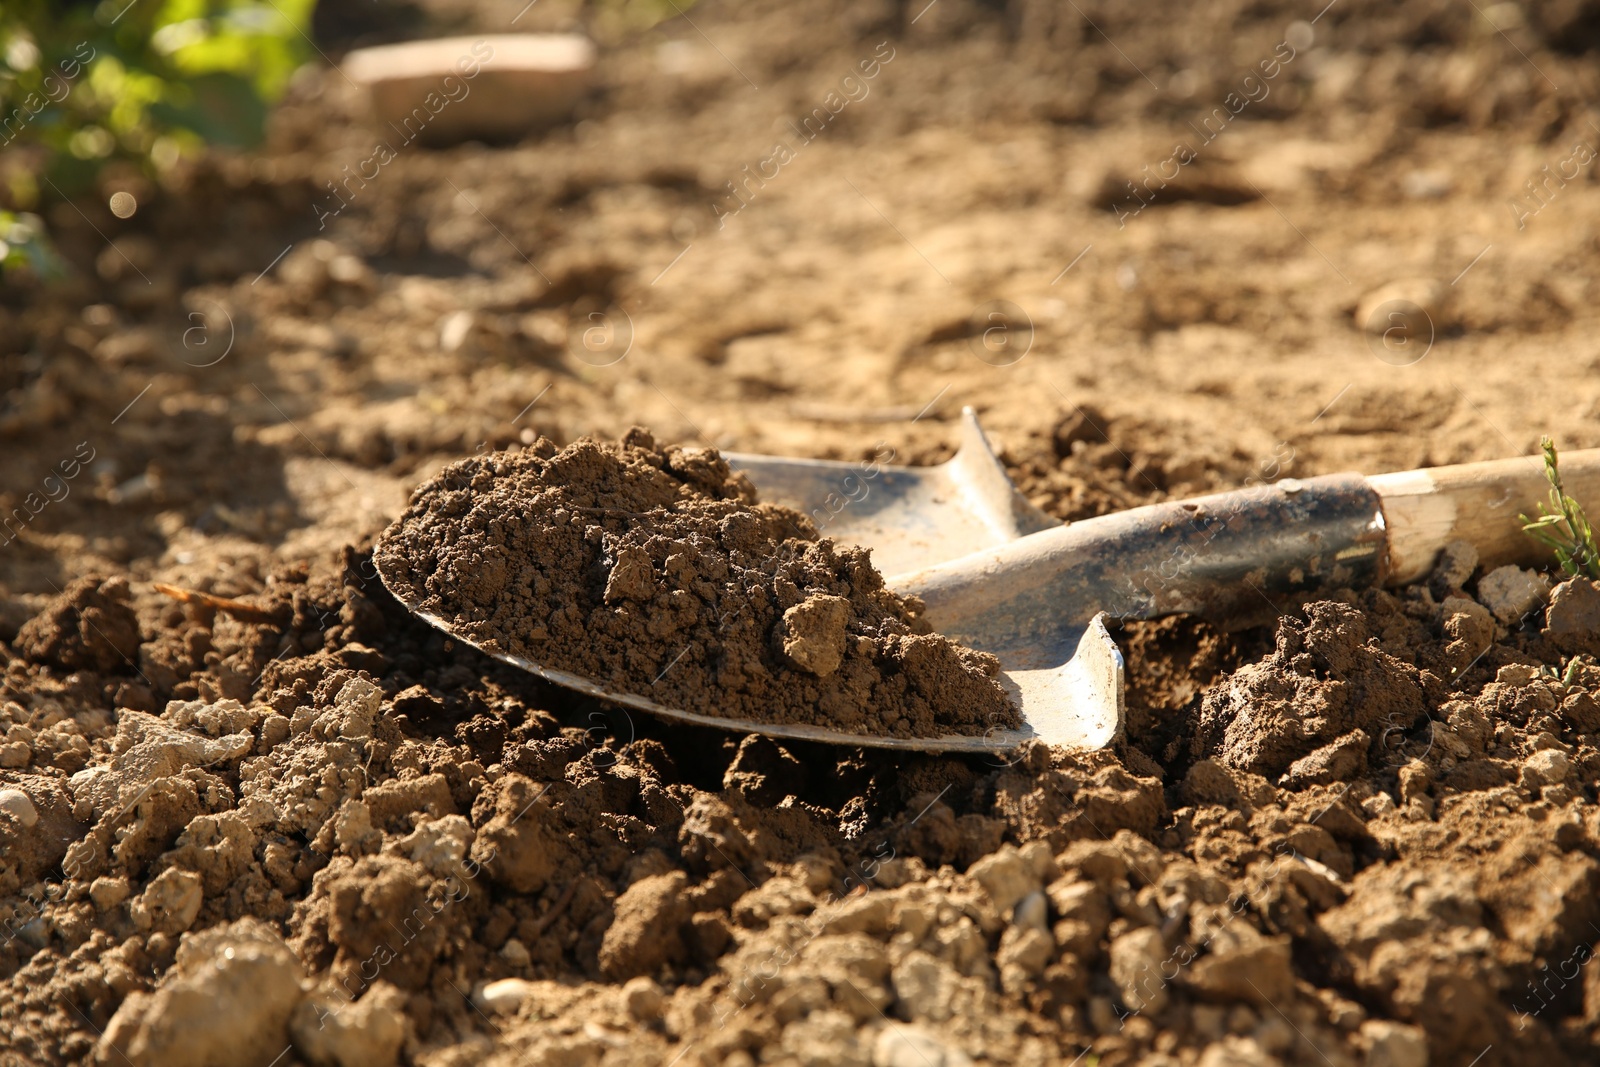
{"points": [[1161, 248]]}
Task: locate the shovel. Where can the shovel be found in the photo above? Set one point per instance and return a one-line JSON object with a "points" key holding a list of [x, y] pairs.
{"points": [[1000, 576]]}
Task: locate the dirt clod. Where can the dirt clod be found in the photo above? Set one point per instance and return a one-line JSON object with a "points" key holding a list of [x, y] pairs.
{"points": [[368, 1033], [1510, 593], [227, 1001], [1573, 618], [89, 626], [648, 930], [1323, 681], [814, 634]]}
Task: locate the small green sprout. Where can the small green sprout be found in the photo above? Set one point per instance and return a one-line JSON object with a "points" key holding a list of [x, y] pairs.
{"points": [[1563, 526]]}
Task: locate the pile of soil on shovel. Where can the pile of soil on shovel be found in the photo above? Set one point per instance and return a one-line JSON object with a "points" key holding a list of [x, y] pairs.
{"points": [[653, 571]]}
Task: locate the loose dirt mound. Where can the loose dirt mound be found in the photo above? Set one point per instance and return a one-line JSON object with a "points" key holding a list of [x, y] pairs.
{"points": [[382, 826], [393, 836], [653, 571]]}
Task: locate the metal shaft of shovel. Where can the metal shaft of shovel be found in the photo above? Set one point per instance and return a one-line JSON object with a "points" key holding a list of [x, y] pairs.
{"points": [[1039, 603], [1236, 556]]}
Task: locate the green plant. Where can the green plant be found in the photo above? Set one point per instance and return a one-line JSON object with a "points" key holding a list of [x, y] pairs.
{"points": [[1563, 526], [135, 83], [23, 243], [618, 19]]}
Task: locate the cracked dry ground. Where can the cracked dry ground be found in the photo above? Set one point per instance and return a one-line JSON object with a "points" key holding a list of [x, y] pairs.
{"points": [[308, 830]]}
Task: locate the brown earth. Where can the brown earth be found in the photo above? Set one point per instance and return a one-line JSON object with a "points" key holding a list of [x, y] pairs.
{"points": [[307, 825]]}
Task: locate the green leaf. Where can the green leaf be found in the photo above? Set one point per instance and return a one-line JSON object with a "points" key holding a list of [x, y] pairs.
{"points": [[1563, 527], [222, 108]]}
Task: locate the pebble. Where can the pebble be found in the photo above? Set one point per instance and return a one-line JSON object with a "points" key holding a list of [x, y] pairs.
{"points": [[15, 754], [35, 932], [643, 999], [1392, 1044], [15, 803], [515, 953], [506, 995], [1548, 767], [1427, 184], [454, 330], [455, 88], [1574, 617], [1392, 309], [1511, 592], [1032, 911], [914, 1046], [1136, 959]]}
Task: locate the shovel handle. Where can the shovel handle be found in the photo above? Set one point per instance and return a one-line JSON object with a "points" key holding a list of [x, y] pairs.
{"points": [[1238, 557], [1424, 510]]}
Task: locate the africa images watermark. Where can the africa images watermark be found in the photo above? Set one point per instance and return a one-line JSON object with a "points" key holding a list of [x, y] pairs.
{"points": [[452, 90], [1252, 89], [852, 89], [56, 86], [57, 486], [1540, 190], [1539, 986], [455, 888]]}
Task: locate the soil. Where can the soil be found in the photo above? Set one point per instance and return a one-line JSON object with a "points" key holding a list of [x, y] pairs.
{"points": [[654, 571], [306, 829]]}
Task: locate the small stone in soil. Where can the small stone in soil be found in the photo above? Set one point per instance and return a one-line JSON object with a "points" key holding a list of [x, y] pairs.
{"points": [[1573, 620], [814, 633], [1511, 592], [15, 803]]}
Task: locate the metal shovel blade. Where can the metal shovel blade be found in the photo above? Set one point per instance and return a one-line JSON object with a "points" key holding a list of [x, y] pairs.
{"points": [[925, 524], [910, 517], [1065, 676], [1078, 702]]}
